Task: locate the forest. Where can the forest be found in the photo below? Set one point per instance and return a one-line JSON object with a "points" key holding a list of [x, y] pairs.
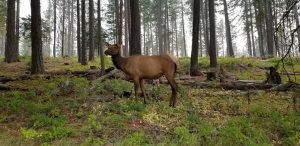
{"points": [[149, 72]]}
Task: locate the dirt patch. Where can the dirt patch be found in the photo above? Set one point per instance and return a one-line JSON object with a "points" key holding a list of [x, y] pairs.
{"points": [[13, 68]]}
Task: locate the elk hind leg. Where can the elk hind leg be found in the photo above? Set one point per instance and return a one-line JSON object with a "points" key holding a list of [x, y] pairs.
{"points": [[171, 79], [143, 90]]}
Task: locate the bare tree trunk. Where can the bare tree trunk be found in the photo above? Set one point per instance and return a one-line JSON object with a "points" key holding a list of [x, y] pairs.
{"points": [[78, 33], [183, 29], [18, 26], [36, 38], [247, 28], [212, 48], [72, 29], [228, 31], [270, 28], [63, 30], [159, 28], [54, 29], [91, 31], [127, 27], [135, 33], [120, 24], [206, 28], [195, 44], [83, 29], [259, 27], [167, 39], [117, 14], [176, 37], [252, 31], [297, 24], [11, 54], [100, 44]]}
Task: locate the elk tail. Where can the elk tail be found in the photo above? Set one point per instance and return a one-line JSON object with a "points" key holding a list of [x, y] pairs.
{"points": [[175, 61]]}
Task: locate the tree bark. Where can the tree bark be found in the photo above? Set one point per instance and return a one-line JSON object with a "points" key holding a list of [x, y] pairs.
{"points": [[36, 38], [195, 43], [270, 28], [54, 29], [212, 48], [247, 28], [127, 26], [18, 26], [78, 33], [63, 30], [100, 44], [183, 29], [259, 27], [297, 24], [228, 31], [120, 23], [91, 31], [252, 31], [83, 29], [11, 54], [135, 34]]}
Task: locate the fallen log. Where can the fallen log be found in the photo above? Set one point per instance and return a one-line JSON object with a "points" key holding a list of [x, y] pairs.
{"points": [[5, 87], [285, 87], [75, 72], [234, 85]]}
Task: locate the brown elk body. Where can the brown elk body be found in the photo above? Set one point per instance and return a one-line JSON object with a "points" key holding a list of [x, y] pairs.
{"points": [[139, 67]]}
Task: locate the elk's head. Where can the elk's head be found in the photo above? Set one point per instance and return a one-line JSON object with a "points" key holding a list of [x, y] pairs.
{"points": [[112, 49]]}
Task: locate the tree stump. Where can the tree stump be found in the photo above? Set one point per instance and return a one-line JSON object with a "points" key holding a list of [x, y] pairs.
{"points": [[211, 76], [273, 77]]}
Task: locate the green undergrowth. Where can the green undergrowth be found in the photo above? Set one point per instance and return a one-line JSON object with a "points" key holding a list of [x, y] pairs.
{"points": [[66, 110]]}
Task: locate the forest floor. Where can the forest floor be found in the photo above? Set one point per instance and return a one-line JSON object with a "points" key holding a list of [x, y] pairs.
{"points": [[74, 110]]}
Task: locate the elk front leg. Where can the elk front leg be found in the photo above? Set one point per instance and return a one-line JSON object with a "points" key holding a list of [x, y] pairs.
{"points": [[136, 87]]}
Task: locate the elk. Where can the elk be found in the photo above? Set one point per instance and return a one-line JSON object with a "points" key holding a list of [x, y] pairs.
{"points": [[140, 67]]}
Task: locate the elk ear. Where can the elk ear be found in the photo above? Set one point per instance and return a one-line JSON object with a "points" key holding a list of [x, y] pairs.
{"points": [[106, 44]]}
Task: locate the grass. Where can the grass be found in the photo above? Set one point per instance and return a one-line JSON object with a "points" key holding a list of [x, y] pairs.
{"points": [[65, 111]]}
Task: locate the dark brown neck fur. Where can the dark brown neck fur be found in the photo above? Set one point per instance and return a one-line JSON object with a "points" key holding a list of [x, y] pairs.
{"points": [[118, 60]]}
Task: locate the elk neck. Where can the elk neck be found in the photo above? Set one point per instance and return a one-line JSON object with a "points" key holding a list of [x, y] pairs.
{"points": [[118, 61]]}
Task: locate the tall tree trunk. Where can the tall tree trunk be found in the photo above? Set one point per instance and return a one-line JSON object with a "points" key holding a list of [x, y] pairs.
{"points": [[270, 28], [127, 27], [252, 31], [297, 24], [176, 37], [78, 33], [63, 30], [195, 44], [91, 31], [72, 29], [18, 26], [259, 27], [117, 18], [167, 39], [54, 29], [206, 29], [247, 28], [83, 29], [183, 29], [120, 23], [228, 31], [212, 48], [100, 44], [11, 54], [36, 38], [135, 33], [160, 28], [205, 35]]}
